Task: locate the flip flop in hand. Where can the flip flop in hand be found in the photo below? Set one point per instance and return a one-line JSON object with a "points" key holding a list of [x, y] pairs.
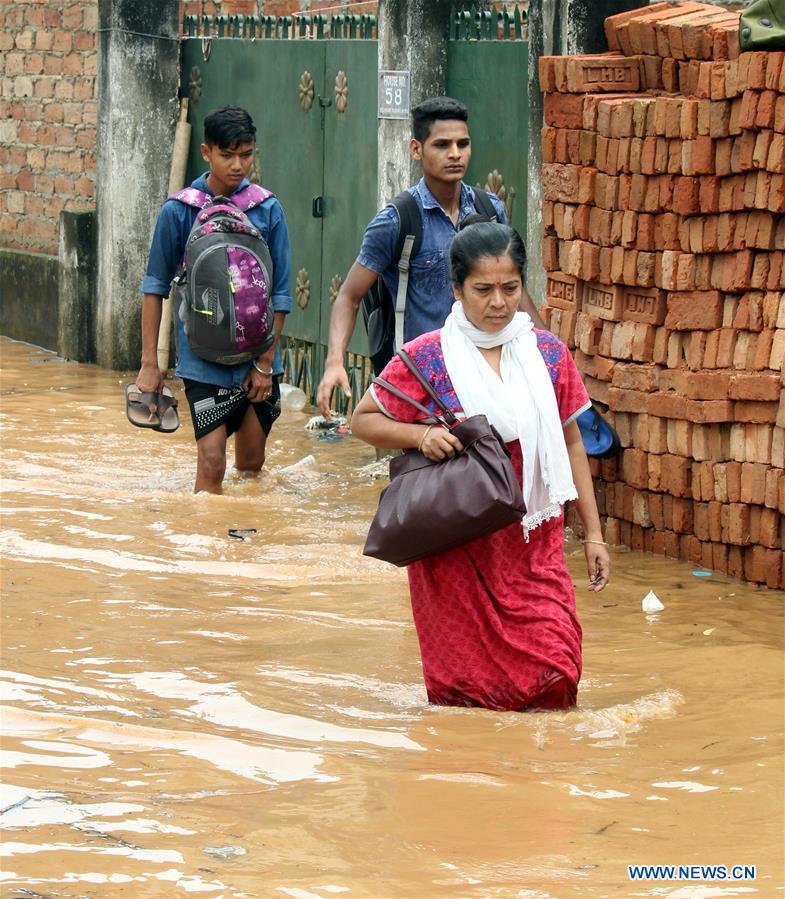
{"points": [[152, 410]]}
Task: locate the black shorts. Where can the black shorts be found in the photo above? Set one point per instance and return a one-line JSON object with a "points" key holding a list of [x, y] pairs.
{"points": [[213, 406]]}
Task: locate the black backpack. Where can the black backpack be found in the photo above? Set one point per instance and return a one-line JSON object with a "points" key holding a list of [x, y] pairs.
{"points": [[379, 308]]}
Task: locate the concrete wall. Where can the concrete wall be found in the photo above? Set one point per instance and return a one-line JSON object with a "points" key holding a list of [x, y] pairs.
{"points": [[49, 145], [77, 296], [29, 297], [413, 37], [50, 300], [138, 85]]}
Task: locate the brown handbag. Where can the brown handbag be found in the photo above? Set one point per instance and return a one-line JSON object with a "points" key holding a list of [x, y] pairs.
{"points": [[430, 507]]}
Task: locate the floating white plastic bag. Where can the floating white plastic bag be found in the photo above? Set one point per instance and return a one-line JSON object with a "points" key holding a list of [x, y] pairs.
{"points": [[651, 602], [303, 464]]}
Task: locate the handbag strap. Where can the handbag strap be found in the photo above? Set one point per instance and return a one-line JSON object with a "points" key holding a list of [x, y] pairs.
{"points": [[428, 388], [403, 396]]}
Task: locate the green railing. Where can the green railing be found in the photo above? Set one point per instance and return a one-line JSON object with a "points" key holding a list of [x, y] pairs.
{"points": [[466, 23], [303, 366], [301, 27], [478, 24], [300, 367]]}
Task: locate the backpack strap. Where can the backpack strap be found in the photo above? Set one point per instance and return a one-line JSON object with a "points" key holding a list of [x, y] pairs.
{"points": [[410, 240], [483, 204], [245, 199], [407, 247], [192, 197], [248, 197], [224, 209]]}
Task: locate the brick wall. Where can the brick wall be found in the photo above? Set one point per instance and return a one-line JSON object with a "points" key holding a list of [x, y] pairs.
{"points": [[48, 113], [223, 7]]}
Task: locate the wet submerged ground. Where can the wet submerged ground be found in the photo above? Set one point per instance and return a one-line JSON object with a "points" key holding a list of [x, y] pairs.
{"points": [[183, 713]]}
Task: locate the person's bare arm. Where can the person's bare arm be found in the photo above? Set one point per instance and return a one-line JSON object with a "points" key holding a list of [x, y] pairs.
{"points": [[373, 427], [527, 305], [150, 378], [597, 559], [342, 320]]}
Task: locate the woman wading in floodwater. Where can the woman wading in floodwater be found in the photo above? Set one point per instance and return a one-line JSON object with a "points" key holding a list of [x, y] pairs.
{"points": [[496, 617]]}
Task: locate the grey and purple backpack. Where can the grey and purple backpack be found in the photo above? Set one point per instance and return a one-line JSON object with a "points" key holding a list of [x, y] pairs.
{"points": [[224, 285]]}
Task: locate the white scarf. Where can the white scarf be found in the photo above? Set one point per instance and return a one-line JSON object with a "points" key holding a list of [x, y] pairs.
{"points": [[521, 405]]}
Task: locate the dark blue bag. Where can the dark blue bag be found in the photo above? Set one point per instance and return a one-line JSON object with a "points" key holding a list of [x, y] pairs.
{"points": [[599, 438]]}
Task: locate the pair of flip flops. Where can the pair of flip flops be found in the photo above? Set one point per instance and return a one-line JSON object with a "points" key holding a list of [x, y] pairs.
{"points": [[152, 410]]}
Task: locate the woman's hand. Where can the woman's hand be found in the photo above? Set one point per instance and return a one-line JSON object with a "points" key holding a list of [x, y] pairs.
{"points": [[598, 565], [438, 444]]}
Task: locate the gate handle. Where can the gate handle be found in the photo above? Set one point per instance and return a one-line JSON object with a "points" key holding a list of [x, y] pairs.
{"points": [[317, 207]]}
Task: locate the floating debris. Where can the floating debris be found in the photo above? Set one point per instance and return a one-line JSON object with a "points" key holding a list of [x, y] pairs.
{"points": [[320, 423], [239, 533], [376, 470], [651, 602], [224, 852], [292, 397], [334, 434]]}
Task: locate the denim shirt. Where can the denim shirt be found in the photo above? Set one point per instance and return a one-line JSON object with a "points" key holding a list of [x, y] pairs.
{"points": [[166, 253], [430, 296]]}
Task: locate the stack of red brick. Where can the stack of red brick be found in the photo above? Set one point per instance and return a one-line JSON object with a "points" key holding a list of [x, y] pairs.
{"points": [[664, 215]]}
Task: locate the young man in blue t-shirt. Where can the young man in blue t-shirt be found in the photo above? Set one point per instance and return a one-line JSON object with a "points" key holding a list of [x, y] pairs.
{"points": [[441, 143], [242, 399]]}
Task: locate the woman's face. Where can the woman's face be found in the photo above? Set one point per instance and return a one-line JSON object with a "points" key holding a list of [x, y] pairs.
{"points": [[491, 292]]}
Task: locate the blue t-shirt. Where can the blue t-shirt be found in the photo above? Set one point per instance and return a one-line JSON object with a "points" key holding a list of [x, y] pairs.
{"points": [[429, 298], [166, 253]]}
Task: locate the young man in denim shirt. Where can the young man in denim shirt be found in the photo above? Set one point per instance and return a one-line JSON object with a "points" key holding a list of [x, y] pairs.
{"points": [[241, 399], [440, 141]]}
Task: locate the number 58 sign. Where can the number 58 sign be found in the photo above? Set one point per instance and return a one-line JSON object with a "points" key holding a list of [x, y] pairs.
{"points": [[394, 95]]}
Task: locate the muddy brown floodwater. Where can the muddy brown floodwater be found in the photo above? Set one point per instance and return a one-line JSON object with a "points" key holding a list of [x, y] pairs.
{"points": [[183, 713]]}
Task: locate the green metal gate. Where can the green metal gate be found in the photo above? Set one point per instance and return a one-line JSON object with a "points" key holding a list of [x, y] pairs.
{"points": [[310, 84], [488, 70]]}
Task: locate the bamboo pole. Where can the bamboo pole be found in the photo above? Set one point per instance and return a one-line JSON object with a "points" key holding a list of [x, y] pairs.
{"points": [[182, 139]]}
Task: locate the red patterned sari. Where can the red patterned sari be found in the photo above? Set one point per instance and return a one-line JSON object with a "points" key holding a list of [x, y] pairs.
{"points": [[495, 618]]}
